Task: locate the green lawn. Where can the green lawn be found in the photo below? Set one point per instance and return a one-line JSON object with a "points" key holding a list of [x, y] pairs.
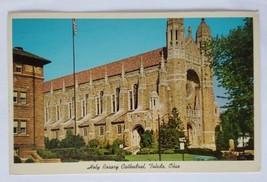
{"points": [[164, 157]]}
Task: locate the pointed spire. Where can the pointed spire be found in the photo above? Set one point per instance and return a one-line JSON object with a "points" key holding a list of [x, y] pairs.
{"points": [[142, 67], [122, 72], [162, 61], [76, 84], [106, 76], [91, 79], [51, 88], [63, 85]]}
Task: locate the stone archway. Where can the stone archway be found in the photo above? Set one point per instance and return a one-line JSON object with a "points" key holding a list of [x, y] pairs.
{"points": [[191, 135], [137, 131]]}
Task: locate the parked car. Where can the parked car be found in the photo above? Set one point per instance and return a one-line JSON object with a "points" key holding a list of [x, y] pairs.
{"points": [[204, 158]]}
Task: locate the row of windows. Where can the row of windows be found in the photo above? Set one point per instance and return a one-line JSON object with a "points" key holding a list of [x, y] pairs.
{"points": [[19, 97], [85, 131], [99, 103], [102, 130], [20, 127]]}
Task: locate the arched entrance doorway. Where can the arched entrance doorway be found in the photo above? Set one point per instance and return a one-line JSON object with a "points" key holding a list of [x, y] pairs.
{"points": [[190, 133], [137, 131]]}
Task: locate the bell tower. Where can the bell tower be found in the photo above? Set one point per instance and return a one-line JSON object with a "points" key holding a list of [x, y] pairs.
{"points": [[175, 38], [176, 65]]}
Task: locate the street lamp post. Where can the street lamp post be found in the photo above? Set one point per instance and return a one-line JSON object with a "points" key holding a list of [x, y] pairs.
{"points": [[182, 145], [121, 147]]}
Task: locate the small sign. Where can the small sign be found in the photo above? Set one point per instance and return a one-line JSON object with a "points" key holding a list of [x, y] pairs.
{"points": [[181, 146]]}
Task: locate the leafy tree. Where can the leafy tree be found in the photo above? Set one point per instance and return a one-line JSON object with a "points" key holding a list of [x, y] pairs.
{"points": [[232, 63], [93, 143], [51, 144], [147, 139], [72, 140], [171, 132], [115, 147]]}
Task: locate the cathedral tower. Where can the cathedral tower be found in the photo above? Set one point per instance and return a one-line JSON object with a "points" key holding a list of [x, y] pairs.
{"points": [[203, 36], [176, 73]]}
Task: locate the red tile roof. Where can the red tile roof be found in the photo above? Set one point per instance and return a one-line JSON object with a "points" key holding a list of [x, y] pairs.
{"points": [[130, 64]]}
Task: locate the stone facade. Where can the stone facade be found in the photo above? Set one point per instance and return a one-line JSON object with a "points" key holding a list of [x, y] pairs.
{"points": [[28, 101], [124, 98]]}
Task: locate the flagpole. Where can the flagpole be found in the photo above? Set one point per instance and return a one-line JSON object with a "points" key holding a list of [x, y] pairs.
{"points": [[74, 70]]}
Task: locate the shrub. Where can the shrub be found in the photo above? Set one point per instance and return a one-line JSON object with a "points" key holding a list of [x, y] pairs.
{"points": [[169, 151], [93, 143], [72, 141], [51, 144], [115, 148], [147, 139], [205, 151], [29, 160], [47, 154], [17, 159]]}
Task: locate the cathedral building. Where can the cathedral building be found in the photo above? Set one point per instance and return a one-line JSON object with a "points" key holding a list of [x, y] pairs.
{"points": [[122, 99]]}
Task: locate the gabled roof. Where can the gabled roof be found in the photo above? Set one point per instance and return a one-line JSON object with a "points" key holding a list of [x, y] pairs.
{"points": [[151, 58]]}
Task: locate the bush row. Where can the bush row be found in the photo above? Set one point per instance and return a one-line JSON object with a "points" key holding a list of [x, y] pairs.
{"points": [[17, 159], [81, 154]]}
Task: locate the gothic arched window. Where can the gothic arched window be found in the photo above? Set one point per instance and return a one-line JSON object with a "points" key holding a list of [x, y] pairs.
{"points": [[117, 99], [135, 95], [101, 102]]}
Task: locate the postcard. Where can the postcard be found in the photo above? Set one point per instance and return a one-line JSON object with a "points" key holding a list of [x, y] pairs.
{"points": [[134, 92]]}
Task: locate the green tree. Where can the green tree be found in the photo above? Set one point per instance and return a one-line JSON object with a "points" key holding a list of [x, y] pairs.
{"points": [[147, 139], [72, 140], [232, 63], [171, 132], [115, 147]]}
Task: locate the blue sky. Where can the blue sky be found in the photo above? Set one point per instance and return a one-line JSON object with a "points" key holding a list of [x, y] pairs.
{"points": [[101, 41]]}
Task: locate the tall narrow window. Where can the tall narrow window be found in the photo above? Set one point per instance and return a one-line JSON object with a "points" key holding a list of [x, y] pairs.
{"points": [[23, 127], [101, 130], [113, 102], [130, 100], [15, 97], [69, 110], [86, 103], [176, 34], [97, 106], [23, 97], [73, 107], [83, 108], [57, 112], [46, 114], [101, 102], [85, 131], [117, 99], [135, 95], [119, 129], [15, 127]]}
